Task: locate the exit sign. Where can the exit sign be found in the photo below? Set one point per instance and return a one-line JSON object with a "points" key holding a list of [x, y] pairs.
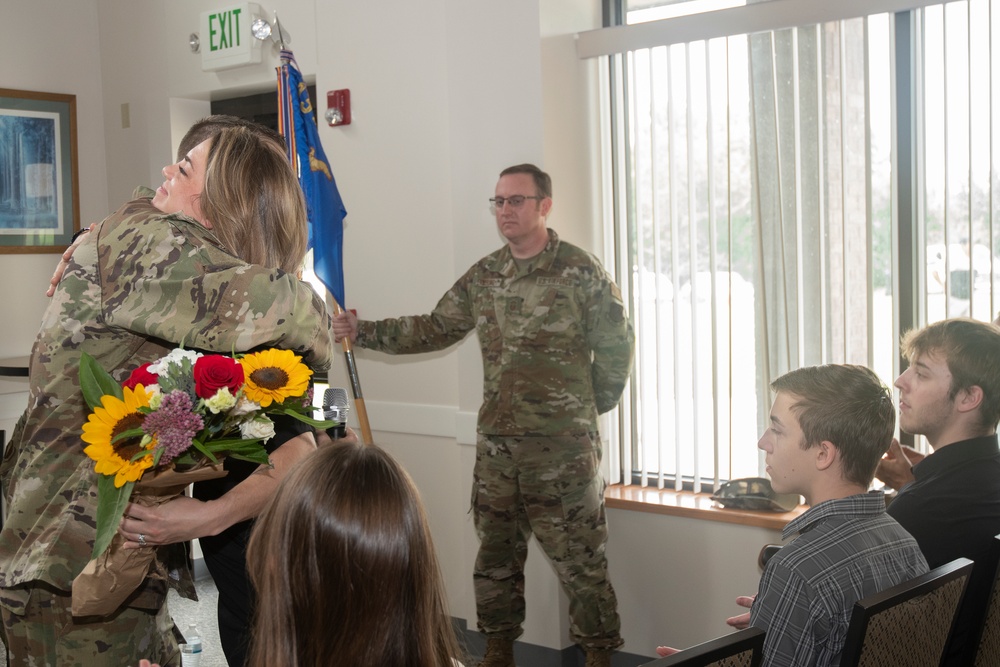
{"points": [[226, 40]]}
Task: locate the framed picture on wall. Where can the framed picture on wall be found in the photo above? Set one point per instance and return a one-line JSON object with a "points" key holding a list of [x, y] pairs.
{"points": [[39, 183]]}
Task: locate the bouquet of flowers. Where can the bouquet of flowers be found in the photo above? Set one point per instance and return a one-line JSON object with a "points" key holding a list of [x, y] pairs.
{"points": [[167, 426]]}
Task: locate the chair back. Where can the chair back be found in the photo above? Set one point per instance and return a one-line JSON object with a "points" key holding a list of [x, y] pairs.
{"points": [[767, 552], [738, 649], [907, 625], [988, 651]]}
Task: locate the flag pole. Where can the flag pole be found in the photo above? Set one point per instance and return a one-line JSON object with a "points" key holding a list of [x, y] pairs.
{"points": [[305, 152], [352, 372]]}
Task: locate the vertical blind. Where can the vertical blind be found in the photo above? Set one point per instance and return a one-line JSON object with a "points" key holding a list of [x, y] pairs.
{"points": [[758, 217]]}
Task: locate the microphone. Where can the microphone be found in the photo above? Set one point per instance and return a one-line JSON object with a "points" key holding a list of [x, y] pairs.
{"points": [[335, 408]]}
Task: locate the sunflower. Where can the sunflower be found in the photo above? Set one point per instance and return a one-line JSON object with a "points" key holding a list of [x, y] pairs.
{"points": [[274, 375], [114, 417]]}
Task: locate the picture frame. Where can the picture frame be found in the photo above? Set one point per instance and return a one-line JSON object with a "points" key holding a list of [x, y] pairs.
{"points": [[39, 178]]}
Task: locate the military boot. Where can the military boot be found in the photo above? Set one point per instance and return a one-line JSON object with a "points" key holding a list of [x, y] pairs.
{"points": [[499, 653], [598, 657]]}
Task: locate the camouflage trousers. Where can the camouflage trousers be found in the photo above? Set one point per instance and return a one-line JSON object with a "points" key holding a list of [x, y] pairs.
{"points": [[46, 634], [550, 487]]}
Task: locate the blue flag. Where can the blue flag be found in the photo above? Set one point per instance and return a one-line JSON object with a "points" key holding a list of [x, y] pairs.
{"points": [[326, 208]]}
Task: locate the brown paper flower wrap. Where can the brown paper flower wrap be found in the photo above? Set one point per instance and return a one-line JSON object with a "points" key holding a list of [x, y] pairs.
{"points": [[110, 578], [168, 426]]}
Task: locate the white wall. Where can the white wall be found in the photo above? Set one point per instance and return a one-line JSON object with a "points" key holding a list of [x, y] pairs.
{"points": [[71, 67], [30, 63], [445, 93]]}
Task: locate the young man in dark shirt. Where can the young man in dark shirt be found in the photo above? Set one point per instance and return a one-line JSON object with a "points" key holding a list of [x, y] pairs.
{"points": [[950, 500]]}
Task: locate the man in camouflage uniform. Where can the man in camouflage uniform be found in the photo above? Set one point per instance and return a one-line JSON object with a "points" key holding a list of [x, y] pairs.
{"points": [[177, 286], [557, 350]]}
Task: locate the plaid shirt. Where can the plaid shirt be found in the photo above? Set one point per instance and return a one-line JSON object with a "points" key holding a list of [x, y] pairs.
{"points": [[846, 549]]}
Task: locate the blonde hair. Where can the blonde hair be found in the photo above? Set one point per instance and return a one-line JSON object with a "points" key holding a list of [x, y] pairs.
{"points": [[253, 200]]}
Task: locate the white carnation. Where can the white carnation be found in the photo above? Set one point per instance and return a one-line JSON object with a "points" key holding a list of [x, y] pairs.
{"points": [[160, 366], [259, 427], [222, 401], [244, 407], [155, 396]]}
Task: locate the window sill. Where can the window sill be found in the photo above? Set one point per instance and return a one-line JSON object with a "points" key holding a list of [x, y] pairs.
{"points": [[691, 505]]}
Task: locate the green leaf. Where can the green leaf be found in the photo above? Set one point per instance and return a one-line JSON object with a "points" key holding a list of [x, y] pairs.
{"points": [[185, 459], [247, 450], [111, 503], [254, 457], [204, 450], [96, 382], [130, 433], [239, 448], [226, 444], [318, 423]]}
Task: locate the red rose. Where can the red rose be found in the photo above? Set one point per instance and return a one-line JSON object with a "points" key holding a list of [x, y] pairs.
{"points": [[141, 376], [213, 371]]}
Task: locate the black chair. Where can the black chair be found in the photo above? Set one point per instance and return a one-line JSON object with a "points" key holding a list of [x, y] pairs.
{"points": [[907, 625], [767, 552], [739, 649], [3, 448], [987, 638]]}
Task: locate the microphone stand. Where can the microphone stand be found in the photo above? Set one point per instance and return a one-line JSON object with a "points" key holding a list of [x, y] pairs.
{"points": [[352, 371]]}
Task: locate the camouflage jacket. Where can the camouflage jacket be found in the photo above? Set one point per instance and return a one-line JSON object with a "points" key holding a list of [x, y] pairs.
{"points": [[556, 342], [138, 286]]}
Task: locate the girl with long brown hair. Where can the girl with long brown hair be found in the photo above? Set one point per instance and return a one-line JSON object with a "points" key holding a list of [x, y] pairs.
{"points": [[345, 570]]}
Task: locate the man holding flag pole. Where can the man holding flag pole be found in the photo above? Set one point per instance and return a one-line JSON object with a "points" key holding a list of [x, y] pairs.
{"points": [[326, 209], [557, 348]]}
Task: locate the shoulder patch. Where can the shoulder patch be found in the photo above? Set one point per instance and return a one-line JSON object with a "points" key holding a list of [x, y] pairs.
{"points": [[616, 313]]}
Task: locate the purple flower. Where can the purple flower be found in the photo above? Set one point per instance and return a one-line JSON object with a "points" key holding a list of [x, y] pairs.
{"points": [[174, 424]]}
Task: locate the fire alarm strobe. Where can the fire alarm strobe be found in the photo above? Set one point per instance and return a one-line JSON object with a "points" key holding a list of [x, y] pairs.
{"points": [[338, 107]]}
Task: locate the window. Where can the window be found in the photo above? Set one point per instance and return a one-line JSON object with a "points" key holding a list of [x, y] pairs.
{"points": [[657, 10], [769, 214]]}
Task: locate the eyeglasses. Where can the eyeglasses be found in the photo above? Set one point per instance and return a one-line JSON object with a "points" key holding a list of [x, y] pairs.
{"points": [[516, 201]]}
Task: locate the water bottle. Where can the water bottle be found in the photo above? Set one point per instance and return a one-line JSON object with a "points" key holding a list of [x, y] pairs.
{"points": [[191, 651]]}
